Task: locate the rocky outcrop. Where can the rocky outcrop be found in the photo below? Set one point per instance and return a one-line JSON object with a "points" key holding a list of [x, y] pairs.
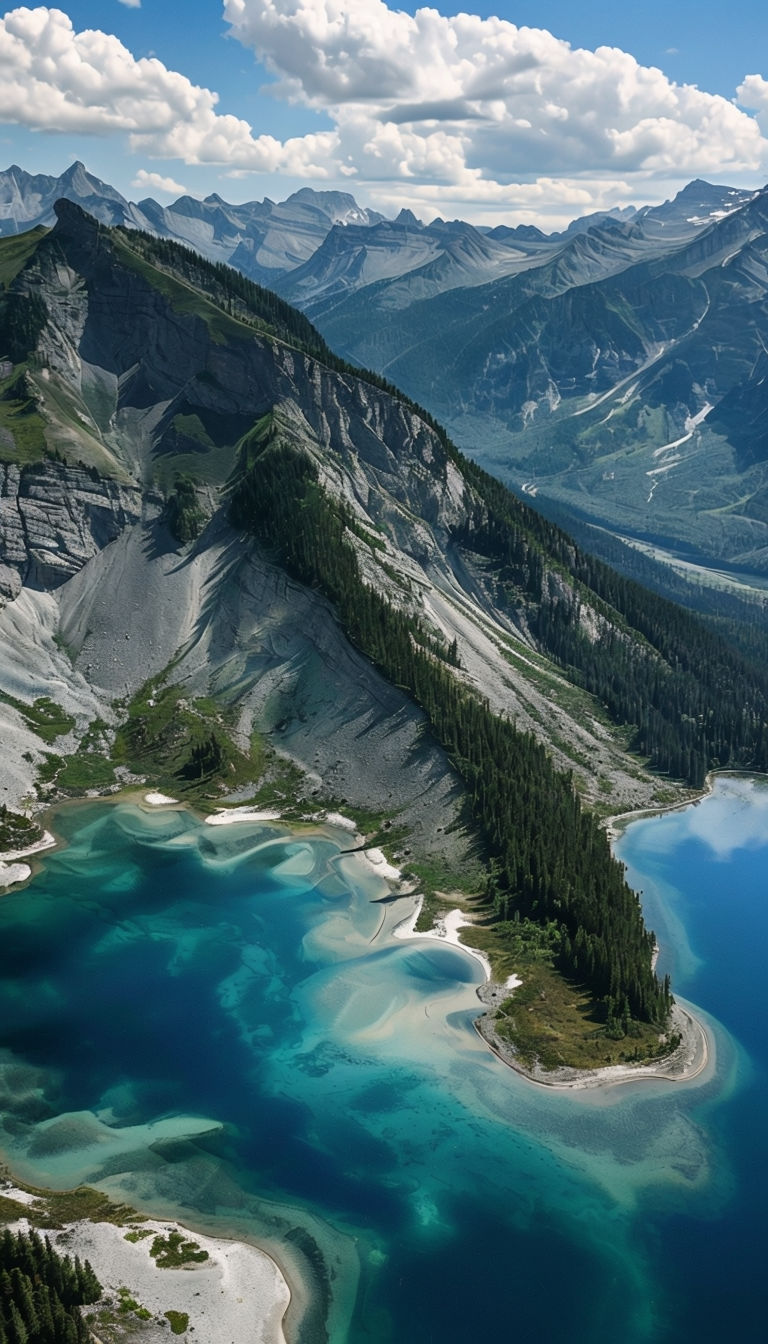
{"points": [[53, 519], [139, 375]]}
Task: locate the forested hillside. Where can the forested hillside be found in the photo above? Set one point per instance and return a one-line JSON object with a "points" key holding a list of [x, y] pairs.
{"points": [[695, 702], [172, 398], [549, 859]]}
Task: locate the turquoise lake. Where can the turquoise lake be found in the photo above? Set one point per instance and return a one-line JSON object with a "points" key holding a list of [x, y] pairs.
{"points": [[217, 1023]]}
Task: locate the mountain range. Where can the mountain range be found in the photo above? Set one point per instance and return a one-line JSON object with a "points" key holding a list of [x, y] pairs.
{"points": [[617, 368], [234, 566]]}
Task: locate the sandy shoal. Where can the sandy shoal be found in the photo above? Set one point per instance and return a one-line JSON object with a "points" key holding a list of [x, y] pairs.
{"points": [[11, 870], [237, 1294]]}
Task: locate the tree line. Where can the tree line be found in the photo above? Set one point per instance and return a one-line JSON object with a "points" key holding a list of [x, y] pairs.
{"points": [[548, 859], [695, 703], [41, 1292]]}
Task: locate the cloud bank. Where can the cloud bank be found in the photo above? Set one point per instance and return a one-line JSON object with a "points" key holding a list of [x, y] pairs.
{"points": [[54, 79], [480, 102], [423, 108]]}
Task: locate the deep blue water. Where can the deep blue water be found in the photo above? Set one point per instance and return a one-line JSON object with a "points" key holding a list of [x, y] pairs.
{"points": [[211, 1021]]}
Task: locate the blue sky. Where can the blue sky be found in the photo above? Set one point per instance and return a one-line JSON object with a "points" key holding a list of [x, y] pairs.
{"points": [[537, 111]]}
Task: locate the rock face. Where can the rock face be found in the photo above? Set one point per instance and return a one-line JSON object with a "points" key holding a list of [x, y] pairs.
{"points": [[144, 365], [617, 368], [54, 519]]}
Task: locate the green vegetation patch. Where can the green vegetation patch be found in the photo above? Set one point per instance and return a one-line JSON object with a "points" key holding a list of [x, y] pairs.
{"points": [[178, 1321], [183, 744], [11, 1210], [22, 428], [16, 830], [55, 1208], [185, 518], [128, 1306], [137, 1234], [174, 1251], [552, 1022], [47, 719], [16, 251]]}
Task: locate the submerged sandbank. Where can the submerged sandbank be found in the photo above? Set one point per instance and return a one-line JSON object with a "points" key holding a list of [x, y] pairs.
{"points": [[274, 1285]]}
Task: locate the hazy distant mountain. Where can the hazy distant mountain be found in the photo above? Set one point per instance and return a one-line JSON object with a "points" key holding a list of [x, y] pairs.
{"points": [[27, 200], [618, 366], [260, 238], [623, 371]]}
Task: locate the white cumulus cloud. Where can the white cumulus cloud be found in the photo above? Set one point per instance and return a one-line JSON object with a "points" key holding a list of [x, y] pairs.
{"points": [[447, 111], [473, 103], [145, 181], [55, 79]]}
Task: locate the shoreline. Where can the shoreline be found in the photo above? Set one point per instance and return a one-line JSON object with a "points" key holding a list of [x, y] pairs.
{"points": [[694, 1055], [615, 825], [238, 1284], [13, 869], [287, 1294], [685, 1064]]}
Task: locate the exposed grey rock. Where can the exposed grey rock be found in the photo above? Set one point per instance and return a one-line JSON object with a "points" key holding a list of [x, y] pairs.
{"points": [[53, 518]]}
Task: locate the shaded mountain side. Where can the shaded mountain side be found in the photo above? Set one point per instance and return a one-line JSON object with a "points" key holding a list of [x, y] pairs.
{"points": [[304, 555]]}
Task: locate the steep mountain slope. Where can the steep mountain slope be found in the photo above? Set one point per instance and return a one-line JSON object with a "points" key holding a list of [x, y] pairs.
{"points": [[137, 378], [618, 368], [212, 528]]}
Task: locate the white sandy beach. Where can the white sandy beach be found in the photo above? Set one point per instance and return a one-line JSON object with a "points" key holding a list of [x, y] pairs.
{"points": [[228, 815], [11, 870], [446, 930], [238, 1294], [380, 865]]}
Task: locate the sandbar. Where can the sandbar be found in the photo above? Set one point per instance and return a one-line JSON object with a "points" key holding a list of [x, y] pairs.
{"points": [[238, 1293], [226, 816], [12, 871]]}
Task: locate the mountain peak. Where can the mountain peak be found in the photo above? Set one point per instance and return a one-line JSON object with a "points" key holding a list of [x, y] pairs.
{"points": [[72, 218]]}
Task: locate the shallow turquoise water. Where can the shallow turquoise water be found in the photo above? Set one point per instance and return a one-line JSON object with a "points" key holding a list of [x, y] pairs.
{"points": [[212, 1021]]}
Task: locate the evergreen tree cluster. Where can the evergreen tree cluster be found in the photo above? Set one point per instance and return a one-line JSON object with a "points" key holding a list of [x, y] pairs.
{"points": [[695, 702], [232, 292], [22, 318], [549, 860], [41, 1292], [183, 514]]}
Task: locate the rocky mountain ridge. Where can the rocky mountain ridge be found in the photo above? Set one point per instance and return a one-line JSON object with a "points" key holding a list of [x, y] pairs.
{"points": [[130, 383], [241, 565], [615, 369]]}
